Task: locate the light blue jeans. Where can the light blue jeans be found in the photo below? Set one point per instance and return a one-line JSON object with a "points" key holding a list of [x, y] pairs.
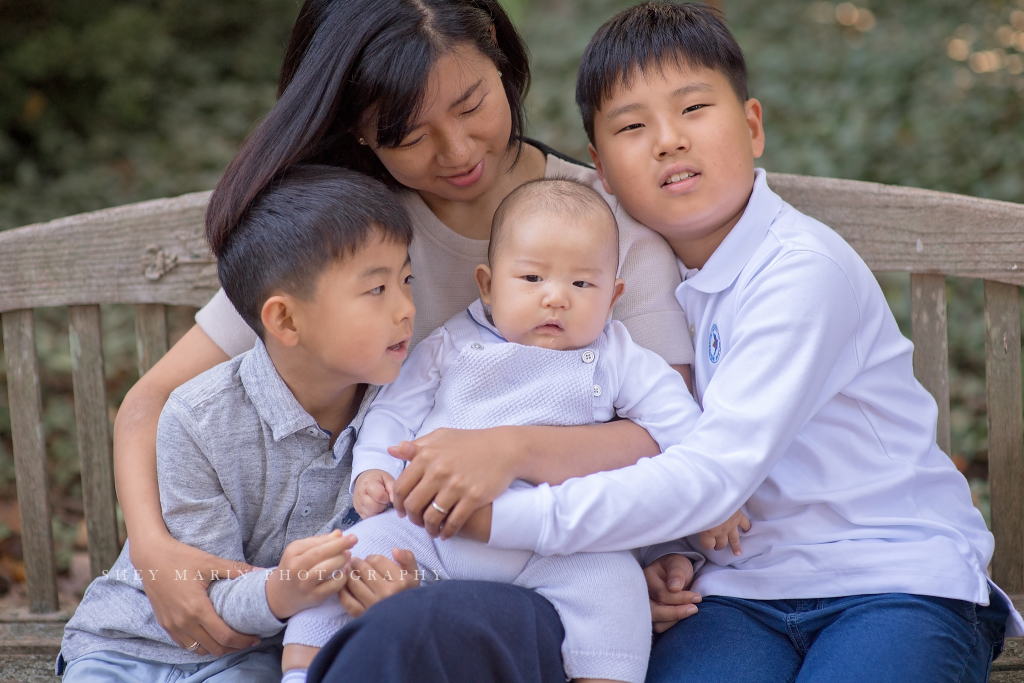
{"points": [[891, 637], [261, 664]]}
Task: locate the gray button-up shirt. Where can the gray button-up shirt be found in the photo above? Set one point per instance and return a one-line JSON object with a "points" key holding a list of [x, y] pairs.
{"points": [[243, 471]]}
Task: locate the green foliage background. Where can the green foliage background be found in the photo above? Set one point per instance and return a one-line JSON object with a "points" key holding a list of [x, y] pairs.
{"points": [[104, 103]]}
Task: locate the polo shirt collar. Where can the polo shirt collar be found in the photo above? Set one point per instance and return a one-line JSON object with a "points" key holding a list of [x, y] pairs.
{"points": [[724, 266], [275, 402]]}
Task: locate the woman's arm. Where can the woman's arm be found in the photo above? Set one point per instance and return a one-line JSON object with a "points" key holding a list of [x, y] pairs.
{"points": [[465, 469], [183, 608]]}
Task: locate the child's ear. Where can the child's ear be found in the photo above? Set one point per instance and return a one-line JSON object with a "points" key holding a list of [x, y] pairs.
{"points": [[483, 282], [276, 317], [597, 165], [617, 290], [756, 125]]}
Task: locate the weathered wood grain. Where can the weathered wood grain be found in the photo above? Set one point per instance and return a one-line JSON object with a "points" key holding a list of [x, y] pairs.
{"points": [[150, 334], [93, 436], [1005, 433], [910, 230], [154, 252], [931, 345], [30, 459], [151, 252]]}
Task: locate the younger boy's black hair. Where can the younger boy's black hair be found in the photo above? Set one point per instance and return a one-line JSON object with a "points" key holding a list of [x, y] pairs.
{"points": [[645, 36], [307, 219]]}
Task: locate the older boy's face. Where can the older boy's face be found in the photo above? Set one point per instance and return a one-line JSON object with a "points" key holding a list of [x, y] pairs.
{"points": [[677, 148], [553, 280], [360, 322]]}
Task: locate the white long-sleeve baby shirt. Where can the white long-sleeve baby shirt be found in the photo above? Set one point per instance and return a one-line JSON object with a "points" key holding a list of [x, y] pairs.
{"points": [[467, 367]]}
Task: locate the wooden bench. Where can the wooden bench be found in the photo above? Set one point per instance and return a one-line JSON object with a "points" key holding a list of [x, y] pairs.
{"points": [[152, 255]]}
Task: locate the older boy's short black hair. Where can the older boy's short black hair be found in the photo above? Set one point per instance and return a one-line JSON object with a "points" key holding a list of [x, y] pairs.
{"points": [[645, 36], [307, 219]]}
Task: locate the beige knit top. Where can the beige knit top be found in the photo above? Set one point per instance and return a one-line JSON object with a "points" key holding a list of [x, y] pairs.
{"points": [[443, 262]]}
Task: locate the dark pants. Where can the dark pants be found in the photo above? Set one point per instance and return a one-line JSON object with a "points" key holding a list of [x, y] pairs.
{"points": [[889, 637], [448, 632]]}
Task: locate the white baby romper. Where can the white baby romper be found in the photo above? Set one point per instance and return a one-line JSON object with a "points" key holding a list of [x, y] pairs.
{"points": [[601, 598]]}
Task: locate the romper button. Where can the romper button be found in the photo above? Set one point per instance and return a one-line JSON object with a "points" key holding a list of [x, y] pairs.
{"points": [[693, 332], [312, 431], [588, 356], [305, 511], [597, 390], [477, 346]]}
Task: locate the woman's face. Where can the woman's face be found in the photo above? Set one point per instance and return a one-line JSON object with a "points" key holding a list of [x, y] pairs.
{"points": [[458, 145]]}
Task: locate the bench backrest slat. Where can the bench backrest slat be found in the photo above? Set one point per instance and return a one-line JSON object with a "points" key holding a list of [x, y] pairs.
{"points": [[931, 345], [150, 334], [151, 252], [1005, 433], [93, 436], [30, 459], [905, 229]]}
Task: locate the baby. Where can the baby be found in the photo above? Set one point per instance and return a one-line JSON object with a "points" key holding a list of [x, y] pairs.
{"points": [[537, 348]]}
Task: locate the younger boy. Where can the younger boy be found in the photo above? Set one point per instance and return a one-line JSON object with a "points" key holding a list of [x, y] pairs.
{"points": [[866, 560], [250, 452], [538, 347]]}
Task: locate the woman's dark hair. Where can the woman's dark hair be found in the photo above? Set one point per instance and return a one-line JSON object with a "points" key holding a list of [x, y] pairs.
{"points": [[310, 217], [346, 56], [648, 35]]}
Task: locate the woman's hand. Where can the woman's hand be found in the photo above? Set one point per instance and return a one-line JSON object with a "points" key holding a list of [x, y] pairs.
{"points": [[182, 605], [460, 470], [668, 577], [368, 581]]}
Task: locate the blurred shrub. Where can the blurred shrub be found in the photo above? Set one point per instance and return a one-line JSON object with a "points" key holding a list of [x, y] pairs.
{"points": [[108, 102]]}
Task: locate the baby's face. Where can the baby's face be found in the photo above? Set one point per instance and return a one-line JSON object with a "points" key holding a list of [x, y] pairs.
{"points": [[553, 282]]}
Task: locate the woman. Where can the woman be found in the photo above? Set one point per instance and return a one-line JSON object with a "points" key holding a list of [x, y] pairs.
{"points": [[426, 95]]}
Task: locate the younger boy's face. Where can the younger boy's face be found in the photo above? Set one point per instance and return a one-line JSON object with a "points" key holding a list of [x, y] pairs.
{"points": [[359, 324], [552, 283], [677, 148]]}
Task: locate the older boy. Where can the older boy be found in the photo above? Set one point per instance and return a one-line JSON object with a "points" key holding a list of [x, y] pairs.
{"points": [[866, 560], [254, 455]]}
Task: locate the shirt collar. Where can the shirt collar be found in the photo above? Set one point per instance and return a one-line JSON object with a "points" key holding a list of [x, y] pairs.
{"points": [[724, 266], [480, 313], [275, 402]]}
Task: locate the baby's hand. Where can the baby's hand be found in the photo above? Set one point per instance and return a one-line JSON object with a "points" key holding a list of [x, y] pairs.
{"points": [[378, 577], [372, 492], [668, 577], [726, 534], [310, 570]]}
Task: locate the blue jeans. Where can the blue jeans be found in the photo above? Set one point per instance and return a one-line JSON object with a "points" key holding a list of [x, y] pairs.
{"points": [[889, 637], [261, 664]]}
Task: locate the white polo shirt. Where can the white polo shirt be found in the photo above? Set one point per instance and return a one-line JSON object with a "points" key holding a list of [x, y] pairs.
{"points": [[812, 422]]}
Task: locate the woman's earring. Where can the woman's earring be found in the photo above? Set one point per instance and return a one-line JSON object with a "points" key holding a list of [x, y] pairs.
{"points": [[499, 74], [362, 141]]}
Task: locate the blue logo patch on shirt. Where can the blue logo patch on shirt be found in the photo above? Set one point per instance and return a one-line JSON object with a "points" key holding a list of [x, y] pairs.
{"points": [[714, 345]]}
